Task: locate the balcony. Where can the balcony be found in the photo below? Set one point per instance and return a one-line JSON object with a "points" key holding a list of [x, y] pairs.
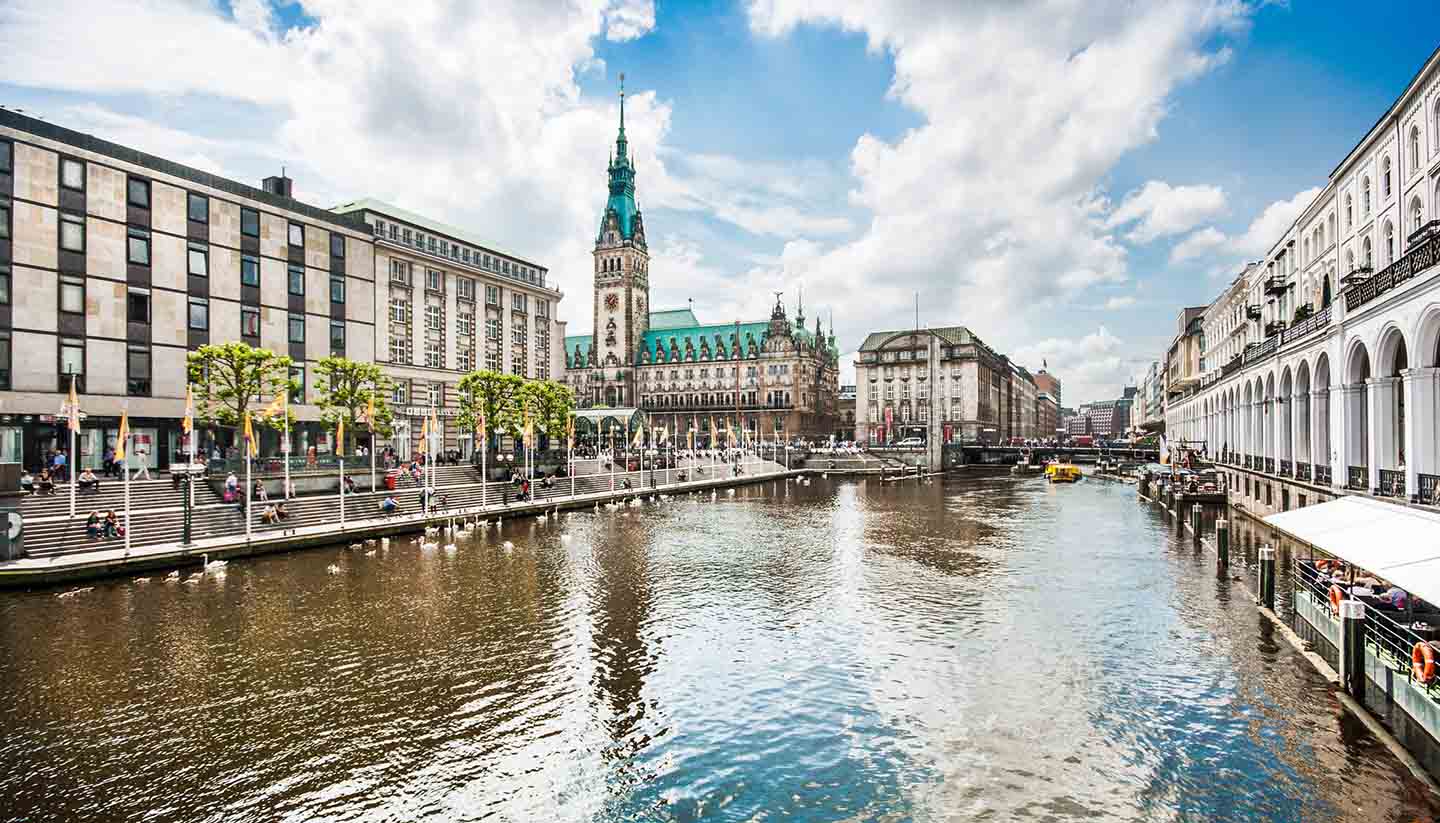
{"points": [[1418, 259], [1302, 472], [1429, 490], [1252, 313], [1357, 478], [1323, 476], [1274, 327], [1286, 470], [1392, 483], [1276, 285]]}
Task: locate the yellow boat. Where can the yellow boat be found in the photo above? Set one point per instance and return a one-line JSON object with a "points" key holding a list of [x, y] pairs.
{"points": [[1062, 473]]}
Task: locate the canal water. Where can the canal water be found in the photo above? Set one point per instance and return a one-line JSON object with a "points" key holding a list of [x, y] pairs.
{"points": [[985, 648]]}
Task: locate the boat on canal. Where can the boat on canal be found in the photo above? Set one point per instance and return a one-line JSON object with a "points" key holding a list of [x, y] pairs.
{"points": [[1027, 465], [1063, 473]]}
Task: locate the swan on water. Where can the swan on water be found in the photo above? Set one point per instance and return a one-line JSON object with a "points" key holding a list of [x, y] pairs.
{"points": [[449, 547], [74, 592], [141, 580], [427, 546], [332, 569], [508, 545], [172, 576], [370, 553]]}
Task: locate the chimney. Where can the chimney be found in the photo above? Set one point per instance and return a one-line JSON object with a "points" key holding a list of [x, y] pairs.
{"points": [[281, 185]]}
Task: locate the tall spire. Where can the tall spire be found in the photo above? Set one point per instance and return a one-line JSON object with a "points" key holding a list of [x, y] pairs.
{"points": [[620, 142]]}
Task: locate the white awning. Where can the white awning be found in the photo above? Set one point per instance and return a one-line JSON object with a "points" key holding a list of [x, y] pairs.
{"points": [[1397, 543]]}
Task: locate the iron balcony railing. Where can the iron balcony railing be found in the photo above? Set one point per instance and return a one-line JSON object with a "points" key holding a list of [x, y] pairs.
{"points": [[1248, 461], [1305, 327], [1302, 471], [1269, 465], [1429, 490], [1357, 478], [1233, 366], [1285, 469], [1323, 475], [1259, 351], [1392, 483], [1416, 260]]}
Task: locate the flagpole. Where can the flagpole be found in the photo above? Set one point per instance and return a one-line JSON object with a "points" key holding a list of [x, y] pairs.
{"points": [[285, 452], [484, 447], [71, 465], [342, 490], [127, 495], [247, 491]]}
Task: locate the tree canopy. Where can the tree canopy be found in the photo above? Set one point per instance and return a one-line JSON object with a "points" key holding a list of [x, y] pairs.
{"points": [[233, 378], [346, 387]]}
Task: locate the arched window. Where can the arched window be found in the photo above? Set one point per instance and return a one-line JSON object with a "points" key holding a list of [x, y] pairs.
{"points": [[1385, 177], [1333, 235], [1388, 235], [1305, 258], [1414, 149], [1367, 254], [1349, 260], [1365, 198], [1417, 215]]}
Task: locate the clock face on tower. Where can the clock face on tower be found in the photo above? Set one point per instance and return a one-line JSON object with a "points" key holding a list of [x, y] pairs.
{"points": [[612, 301]]}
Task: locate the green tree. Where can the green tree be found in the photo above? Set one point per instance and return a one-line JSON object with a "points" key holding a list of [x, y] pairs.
{"points": [[551, 405], [233, 378], [346, 387], [495, 395]]}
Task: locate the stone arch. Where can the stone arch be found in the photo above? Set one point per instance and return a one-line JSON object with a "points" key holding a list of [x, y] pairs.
{"points": [[1301, 414], [1427, 337], [1357, 373], [1284, 407]]}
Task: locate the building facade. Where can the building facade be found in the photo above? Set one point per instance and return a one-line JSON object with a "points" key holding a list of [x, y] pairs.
{"points": [[911, 383], [1334, 384], [772, 376], [114, 264], [1048, 384], [448, 304], [845, 422]]}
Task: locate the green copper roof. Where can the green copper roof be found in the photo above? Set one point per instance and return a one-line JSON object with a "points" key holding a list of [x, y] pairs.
{"points": [[622, 184], [672, 319]]}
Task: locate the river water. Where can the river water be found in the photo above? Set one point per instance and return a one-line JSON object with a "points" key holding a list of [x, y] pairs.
{"points": [[978, 649]]}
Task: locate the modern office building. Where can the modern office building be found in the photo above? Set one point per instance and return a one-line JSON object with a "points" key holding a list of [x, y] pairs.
{"points": [[448, 304], [114, 264]]}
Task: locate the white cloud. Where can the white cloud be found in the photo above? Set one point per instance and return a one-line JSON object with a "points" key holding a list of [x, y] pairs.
{"points": [[1160, 210], [1095, 366], [469, 114], [1257, 239], [1119, 302], [990, 207]]}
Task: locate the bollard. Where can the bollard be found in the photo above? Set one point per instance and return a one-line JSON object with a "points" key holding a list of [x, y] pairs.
{"points": [[1352, 651], [1222, 546], [1267, 577], [1195, 512]]}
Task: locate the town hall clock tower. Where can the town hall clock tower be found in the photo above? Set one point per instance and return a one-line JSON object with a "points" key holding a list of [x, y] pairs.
{"points": [[622, 284]]}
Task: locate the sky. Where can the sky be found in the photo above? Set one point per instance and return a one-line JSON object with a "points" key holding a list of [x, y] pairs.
{"points": [[1061, 176]]}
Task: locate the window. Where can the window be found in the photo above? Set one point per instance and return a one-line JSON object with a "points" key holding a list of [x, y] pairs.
{"points": [[137, 303], [5, 161], [399, 393], [465, 324], [5, 355], [337, 336], [72, 174], [1385, 178], [434, 280], [297, 383], [72, 295], [137, 192], [297, 235], [4, 221], [297, 328], [492, 328], [399, 311], [72, 233], [199, 314], [249, 222], [296, 279], [434, 355], [492, 295], [4, 285], [249, 270], [517, 302], [405, 234], [249, 322], [137, 371], [199, 260], [434, 394], [1417, 215], [1389, 236], [1365, 197], [1349, 212], [1414, 149], [72, 358], [197, 207], [399, 350], [542, 307], [337, 245], [400, 272], [431, 244], [465, 360], [337, 290], [138, 247], [465, 287], [432, 318], [1368, 254]]}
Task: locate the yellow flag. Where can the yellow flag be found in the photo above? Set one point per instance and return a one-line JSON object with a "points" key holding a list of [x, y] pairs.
{"points": [[188, 424], [124, 433], [276, 407], [639, 438], [74, 406], [483, 431], [570, 431], [692, 438], [529, 430], [370, 410], [424, 434], [340, 438], [251, 446]]}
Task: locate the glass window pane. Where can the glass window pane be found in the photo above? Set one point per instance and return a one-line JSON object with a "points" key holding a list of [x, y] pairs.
{"points": [[4, 286], [138, 192], [297, 374], [297, 235], [297, 329], [139, 248], [72, 174], [297, 280], [199, 261], [5, 156], [4, 221], [249, 270], [250, 222], [250, 322], [198, 207], [139, 363], [337, 245], [337, 290], [72, 297], [337, 335], [72, 233], [139, 307], [199, 314], [72, 357]]}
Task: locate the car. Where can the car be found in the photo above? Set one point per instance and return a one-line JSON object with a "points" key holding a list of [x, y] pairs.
{"points": [[910, 443]]}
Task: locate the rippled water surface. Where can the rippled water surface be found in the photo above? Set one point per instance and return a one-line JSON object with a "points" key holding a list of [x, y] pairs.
{"points": [[981, 649]]}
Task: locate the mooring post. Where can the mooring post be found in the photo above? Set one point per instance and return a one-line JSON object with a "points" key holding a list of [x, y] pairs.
{"points": [[1195, 512], [1267, 577], [1352, 652], [1222, 546]]}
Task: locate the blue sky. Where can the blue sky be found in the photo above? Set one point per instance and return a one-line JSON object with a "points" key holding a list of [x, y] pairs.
{"points": [[1027, 170]]}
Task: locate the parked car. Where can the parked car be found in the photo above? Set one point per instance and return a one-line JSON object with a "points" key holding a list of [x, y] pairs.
{"points": [[910, 443]]}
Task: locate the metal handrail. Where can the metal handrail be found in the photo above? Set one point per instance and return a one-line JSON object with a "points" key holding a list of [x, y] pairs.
{"points": [[1392, 483], [1413, 262], [1357, 477]]}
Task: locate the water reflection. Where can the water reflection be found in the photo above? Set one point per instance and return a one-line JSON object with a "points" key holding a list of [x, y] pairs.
{"points": [[984, 648]]}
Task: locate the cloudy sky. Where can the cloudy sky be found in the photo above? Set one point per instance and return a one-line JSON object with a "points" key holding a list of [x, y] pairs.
{"points": [[1059, 175]]}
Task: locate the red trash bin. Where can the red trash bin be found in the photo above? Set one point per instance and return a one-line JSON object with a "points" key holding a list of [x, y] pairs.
{"points": [[392, 478]]}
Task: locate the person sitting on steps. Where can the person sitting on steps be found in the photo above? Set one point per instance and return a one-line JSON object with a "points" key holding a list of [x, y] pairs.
{"points": [[88, 480]]}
